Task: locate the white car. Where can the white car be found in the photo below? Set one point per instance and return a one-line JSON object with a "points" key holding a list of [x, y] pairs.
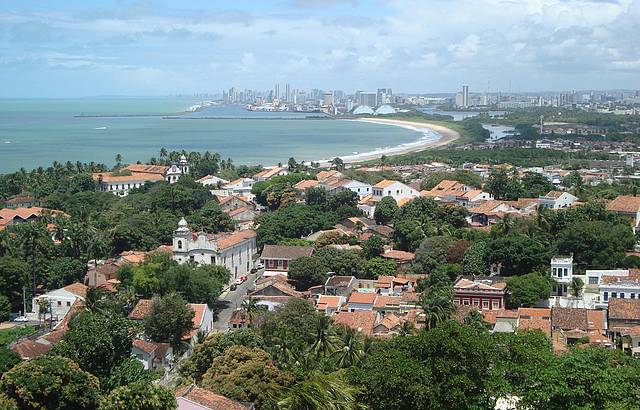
{"points": [[238, 282], [21, 319]]}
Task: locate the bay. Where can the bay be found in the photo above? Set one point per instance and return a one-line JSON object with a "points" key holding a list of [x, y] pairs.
{"points": [[37, 132]]}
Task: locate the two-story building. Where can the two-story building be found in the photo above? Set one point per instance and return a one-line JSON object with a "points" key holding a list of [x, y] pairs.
{"points": [[556, 200], [276, 258], [627, 206], [481, 294], [235, 251]]}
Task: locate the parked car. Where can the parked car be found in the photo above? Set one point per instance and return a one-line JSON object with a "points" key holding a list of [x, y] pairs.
{"points": [[254, 270], [260, 265], [233, 287], [21, 319], [243, 278]]}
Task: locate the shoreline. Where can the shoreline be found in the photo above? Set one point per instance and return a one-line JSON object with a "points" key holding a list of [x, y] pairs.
{"points": [[433, 136]]}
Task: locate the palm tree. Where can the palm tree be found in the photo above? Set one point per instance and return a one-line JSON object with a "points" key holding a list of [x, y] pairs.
{"points": [[163, 153], [35, 242], [575, 287], [505, 225], [350, 351], [118, 160], [250, 306], [323, 339], [319, 392], [338, 163], [407, 328], [384, 161], [438, 306]]}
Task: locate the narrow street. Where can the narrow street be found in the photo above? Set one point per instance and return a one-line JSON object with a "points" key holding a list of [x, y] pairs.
{"points": [[231, 300]]}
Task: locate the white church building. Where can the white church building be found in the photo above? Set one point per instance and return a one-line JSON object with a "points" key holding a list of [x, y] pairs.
{"points": [[235, 251]]}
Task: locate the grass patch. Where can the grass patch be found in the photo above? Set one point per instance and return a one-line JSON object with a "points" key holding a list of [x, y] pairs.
{"points": [[10, 335]]}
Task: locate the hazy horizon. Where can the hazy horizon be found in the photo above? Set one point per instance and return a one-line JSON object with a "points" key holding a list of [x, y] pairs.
{"points": [[160, 48]]}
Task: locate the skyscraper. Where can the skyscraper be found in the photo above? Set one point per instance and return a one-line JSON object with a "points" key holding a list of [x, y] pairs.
{"points": [[276, 92], [465, 96], [287, 93]]}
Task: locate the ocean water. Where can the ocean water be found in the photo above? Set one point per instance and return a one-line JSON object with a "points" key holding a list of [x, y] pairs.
{"points": [[37, 132]]}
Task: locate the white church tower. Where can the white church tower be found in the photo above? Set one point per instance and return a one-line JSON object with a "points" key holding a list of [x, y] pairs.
{"points": [[175, 171]]}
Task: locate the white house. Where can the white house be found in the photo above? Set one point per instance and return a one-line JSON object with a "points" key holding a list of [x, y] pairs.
{"points": [[556, 200], [360, 188], [395, 189], [152, 355], [562, 272], [202, 321], [57, 303], [234, 251], [329, 304], [619, 286], [268, 173], [240, 186], [212, 180]]}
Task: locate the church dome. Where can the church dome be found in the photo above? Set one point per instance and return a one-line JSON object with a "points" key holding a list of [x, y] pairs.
{"points": [[183, 226]]}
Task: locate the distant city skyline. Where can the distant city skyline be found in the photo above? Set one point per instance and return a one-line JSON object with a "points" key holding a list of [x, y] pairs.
{"points": [[120, 47]]}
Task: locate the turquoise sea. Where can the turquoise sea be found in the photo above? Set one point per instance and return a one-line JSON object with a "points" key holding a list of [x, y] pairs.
{"points": [[37, 132]]}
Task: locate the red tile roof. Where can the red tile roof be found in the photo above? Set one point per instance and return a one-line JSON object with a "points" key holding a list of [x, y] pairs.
{"points": [[207, 399], [625, 203], [360, 320], [77, 289], [624, 309], [145, 346], [361, 297], [285, 252], [235, 238], [141, 310], [199, 310], [28, 349]]}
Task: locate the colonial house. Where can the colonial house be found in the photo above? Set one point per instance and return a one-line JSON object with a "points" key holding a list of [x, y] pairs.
{"points": [[562, 272], [450, 191], [276, 258], [57, 303], [330, 304], [572, 325], [14, 216], [628, 206], [202, 318], [202, 322], [275, 294], [152, 355], [557, 200], [388, 325], [192, 397], [619, 287], [339, 285], [21, 201], [232, 202], [361, 301], [483, 296], [242, 215], [623, 314], [268, 173], [361, 320], [234, 251], [240, 186], [212, 181], [239, 319], [484, 213], [139, 174], [395, 189]]}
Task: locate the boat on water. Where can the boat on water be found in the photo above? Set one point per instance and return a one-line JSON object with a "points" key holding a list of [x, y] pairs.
{"points": [[100, 128]]}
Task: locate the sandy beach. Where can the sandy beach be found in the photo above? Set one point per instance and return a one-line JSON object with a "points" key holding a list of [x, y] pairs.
{"points": [[433, 136]]}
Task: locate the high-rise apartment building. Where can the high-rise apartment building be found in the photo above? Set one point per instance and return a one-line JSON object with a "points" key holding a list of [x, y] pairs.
{"points": [[465, 96]]}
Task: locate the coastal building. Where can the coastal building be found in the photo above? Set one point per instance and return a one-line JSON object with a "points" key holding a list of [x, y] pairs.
{"points": [[23, 200], [234, 251], [135, 175], [268, 173], [212, 180], [395, 189]]}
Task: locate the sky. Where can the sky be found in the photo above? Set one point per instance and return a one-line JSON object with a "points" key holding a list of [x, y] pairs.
{"points": [[76, 48]]}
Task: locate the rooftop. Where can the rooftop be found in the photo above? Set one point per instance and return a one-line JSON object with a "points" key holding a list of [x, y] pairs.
{"points": [[360, 320], [286, 252]]}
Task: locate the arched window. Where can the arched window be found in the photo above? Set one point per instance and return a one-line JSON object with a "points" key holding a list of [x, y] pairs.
{"points": [[179, 244]]}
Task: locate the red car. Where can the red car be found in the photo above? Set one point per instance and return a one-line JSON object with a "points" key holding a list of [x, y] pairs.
{"points": [[243, 278]]}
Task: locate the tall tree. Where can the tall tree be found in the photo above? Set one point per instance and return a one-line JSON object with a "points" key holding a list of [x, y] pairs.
{"points": [[170, 319]]}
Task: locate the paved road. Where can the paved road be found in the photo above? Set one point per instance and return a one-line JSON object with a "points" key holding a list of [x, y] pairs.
{"points": [[231, 300]]}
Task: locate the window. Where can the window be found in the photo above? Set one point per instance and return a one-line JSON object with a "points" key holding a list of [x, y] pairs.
{"points": [[633, 296], [614, 294], [279, 263], [566, 271], [68, 304], [476, 302], [179, 244], [621, 295], [605, 296], [485, 304], [457, 301], [213, 260], [495, 304], [555, 271], [593, 280], [465, 302], [192, 258], [59, 303]]}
